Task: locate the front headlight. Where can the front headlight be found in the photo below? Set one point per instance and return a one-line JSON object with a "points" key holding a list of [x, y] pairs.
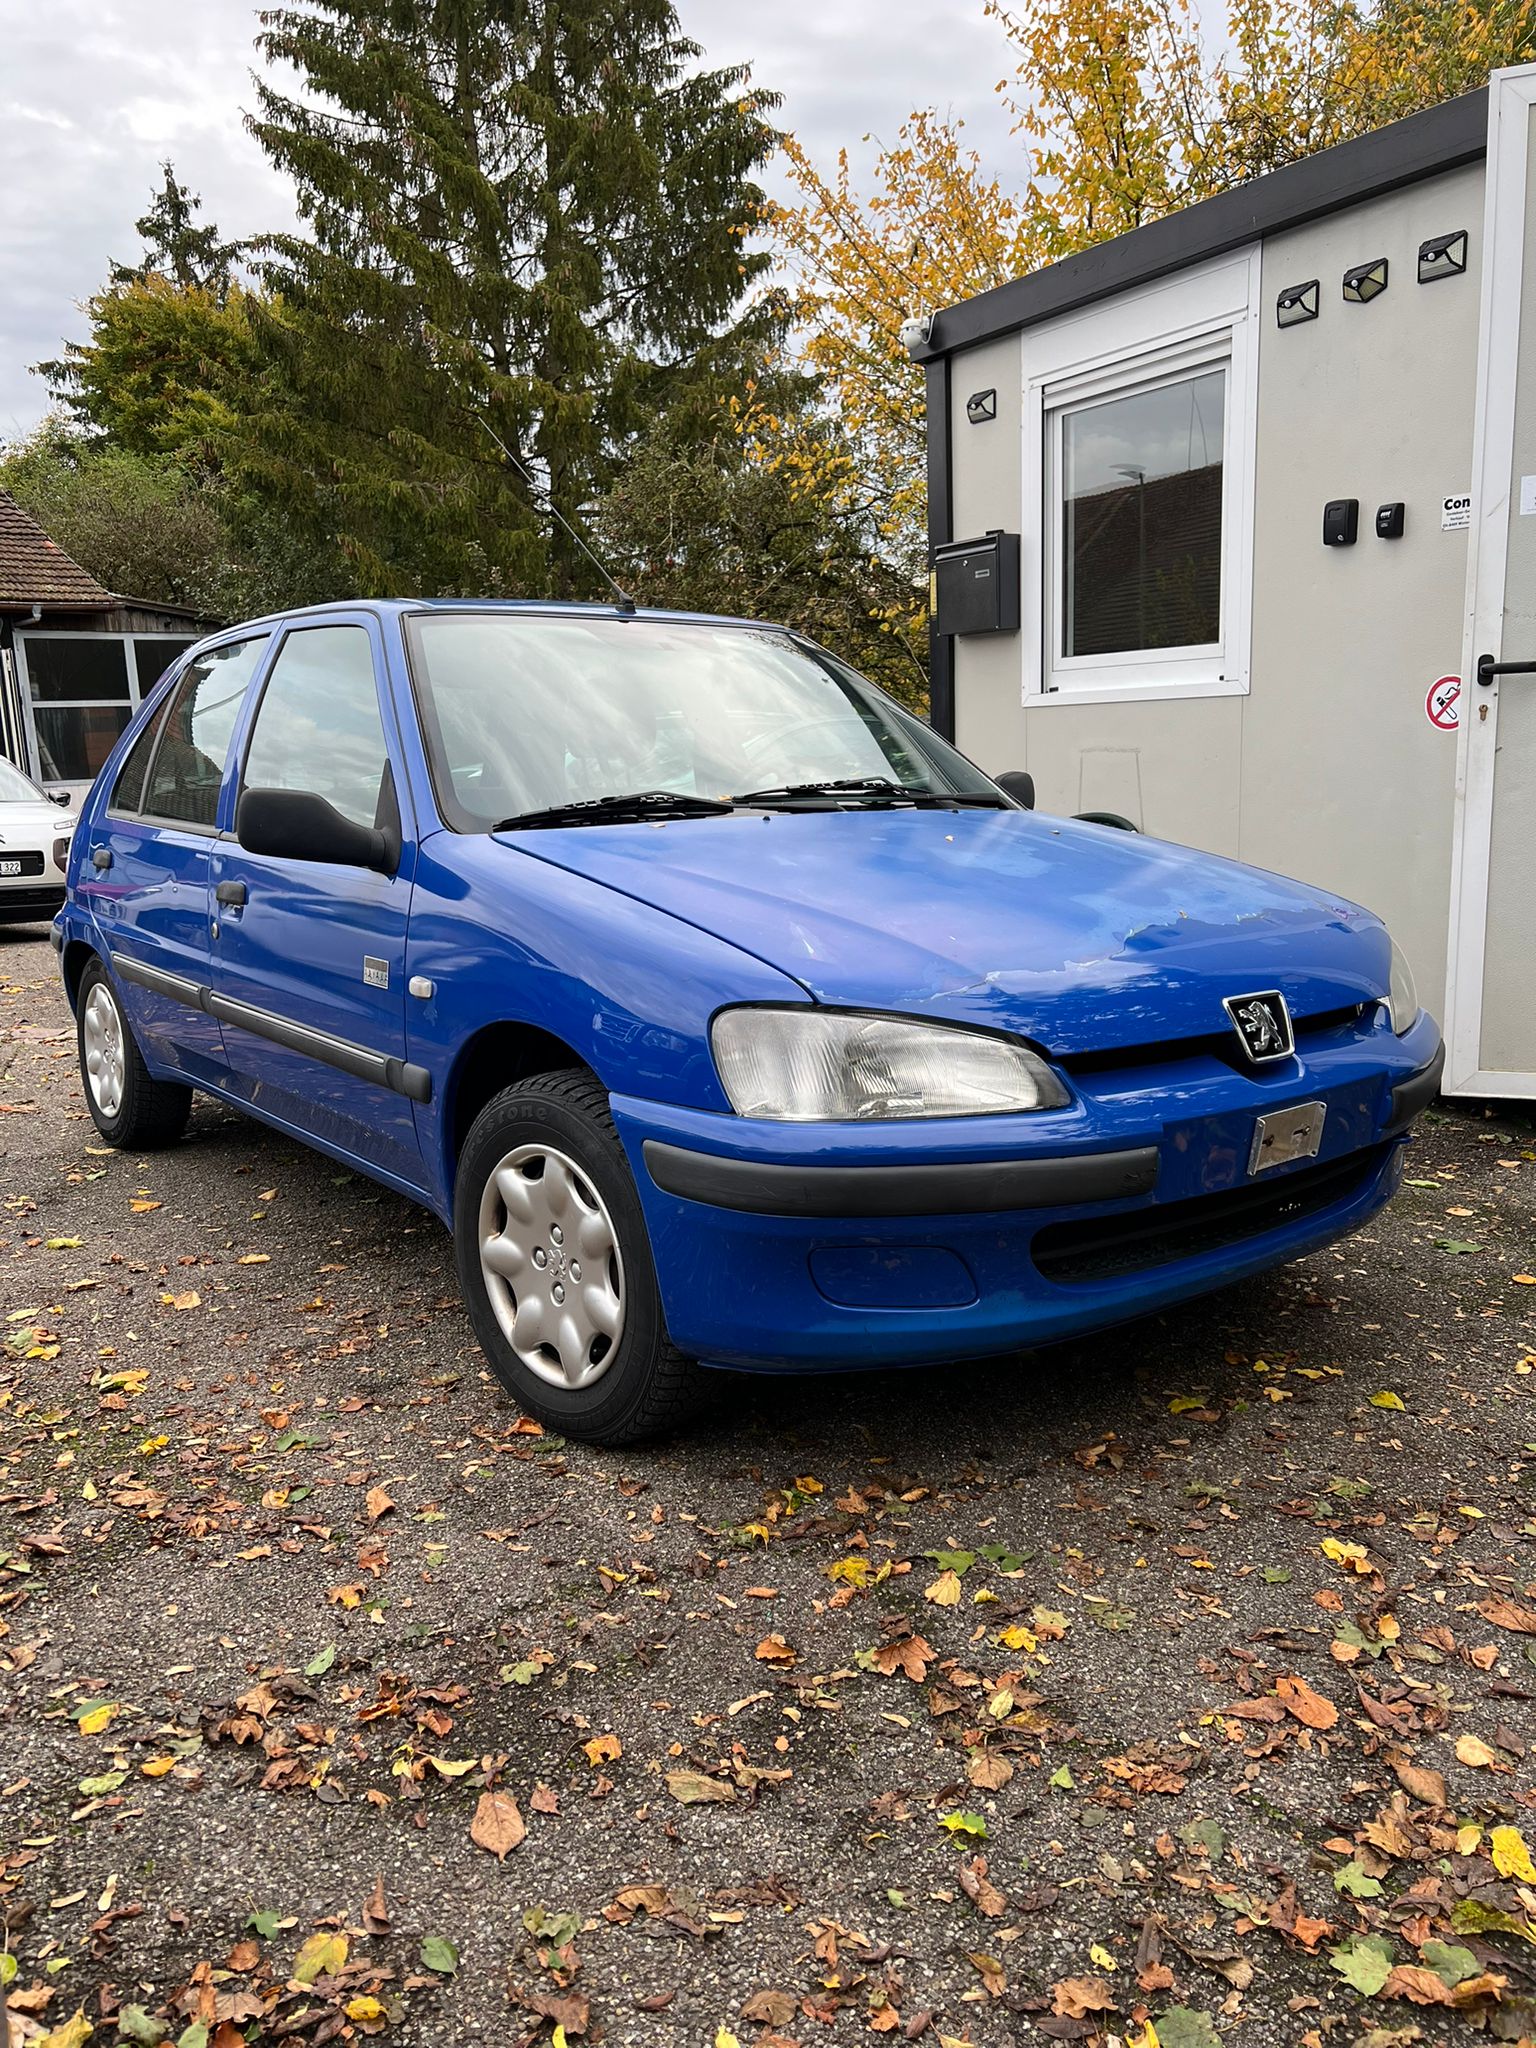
{"points": [[1403, 1001], [804, 1065]]}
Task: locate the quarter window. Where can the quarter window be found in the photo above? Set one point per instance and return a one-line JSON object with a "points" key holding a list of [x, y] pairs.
{"points": [[187, 766], [318, 727]]}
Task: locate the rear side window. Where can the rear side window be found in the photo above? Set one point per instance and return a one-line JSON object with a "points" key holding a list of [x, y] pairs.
{"points": [[187, 765], [318, 726], [128, 790]]}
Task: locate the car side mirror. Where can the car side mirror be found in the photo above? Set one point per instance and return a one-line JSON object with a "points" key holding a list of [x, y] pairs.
{"points": [[62, 797], [1020, 785], [296, 824]]}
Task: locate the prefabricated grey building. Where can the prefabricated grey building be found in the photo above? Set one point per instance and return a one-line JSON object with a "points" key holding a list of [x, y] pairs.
{"points": [[1270, 464]]}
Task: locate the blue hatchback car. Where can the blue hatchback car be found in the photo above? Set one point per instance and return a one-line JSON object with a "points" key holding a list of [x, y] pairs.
{"points": [[723, 1012]]}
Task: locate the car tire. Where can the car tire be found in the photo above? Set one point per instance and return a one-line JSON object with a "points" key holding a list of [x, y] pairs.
{"points": [[130, 1108], [542, 1184]]}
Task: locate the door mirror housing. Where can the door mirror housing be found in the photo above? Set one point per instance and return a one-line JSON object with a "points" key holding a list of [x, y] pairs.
{"points": [[296, 824], [1020, 785], [62, 797]]}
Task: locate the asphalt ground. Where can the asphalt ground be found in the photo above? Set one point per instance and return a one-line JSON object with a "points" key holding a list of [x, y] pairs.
{"points": [[1171, 1686]]}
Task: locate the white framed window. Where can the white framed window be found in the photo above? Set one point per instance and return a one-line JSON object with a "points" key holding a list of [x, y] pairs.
{"points": [[81, 689], [1139, 423]]}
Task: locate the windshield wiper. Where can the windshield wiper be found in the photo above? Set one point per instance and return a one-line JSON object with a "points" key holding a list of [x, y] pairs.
{"points": [[871, 790], [637, 804]]}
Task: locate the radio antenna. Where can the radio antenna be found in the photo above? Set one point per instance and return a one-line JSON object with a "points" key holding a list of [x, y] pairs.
{"points": [[626, 602]]}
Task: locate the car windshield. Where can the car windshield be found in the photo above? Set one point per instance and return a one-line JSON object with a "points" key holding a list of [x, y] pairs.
{"points": [[525, 712], [16, 788]]}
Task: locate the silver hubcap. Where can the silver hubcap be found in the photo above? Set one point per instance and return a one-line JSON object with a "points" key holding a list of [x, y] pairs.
{"points": [[550, 1259], [101, 1029]]}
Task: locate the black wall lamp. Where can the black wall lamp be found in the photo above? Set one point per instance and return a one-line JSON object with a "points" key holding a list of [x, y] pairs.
{"points": [[981, 405], [1443, 256], [1298, 302], [1365, 282]]}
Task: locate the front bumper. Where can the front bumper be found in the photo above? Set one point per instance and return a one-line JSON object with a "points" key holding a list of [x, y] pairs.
{"points": [[32, 901], [830, 1246]]}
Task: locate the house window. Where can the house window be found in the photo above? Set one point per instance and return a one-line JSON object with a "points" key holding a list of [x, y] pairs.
{"points": [[1141, 518], [1140, 420], [84, 688]]}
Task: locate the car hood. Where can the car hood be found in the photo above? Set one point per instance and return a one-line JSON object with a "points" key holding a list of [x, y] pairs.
{"points": [[1080, 937], [30, 823]]}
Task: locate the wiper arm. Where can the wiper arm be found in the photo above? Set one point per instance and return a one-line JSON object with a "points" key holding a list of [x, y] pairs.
{"points": [[871, 789], [637, 804]]}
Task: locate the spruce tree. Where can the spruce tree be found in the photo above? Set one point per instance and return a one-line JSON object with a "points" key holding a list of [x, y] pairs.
{"points": [[528, 212], [176, 247]]}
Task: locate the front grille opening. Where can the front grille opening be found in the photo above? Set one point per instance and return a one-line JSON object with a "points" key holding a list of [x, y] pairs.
{"points": [[1107, 1247], [1221, 1045]]}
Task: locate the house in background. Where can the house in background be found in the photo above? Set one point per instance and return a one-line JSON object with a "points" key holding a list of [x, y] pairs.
{"points": [[75, 660], [1234, 531]]}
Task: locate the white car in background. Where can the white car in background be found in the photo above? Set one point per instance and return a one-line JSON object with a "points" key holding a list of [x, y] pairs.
{"points": [[33, 851]]}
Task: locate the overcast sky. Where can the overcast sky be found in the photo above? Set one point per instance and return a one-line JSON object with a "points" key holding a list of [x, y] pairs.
{"points": [[94, 93]]}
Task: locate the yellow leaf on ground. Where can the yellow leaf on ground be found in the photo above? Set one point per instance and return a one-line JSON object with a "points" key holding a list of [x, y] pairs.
{"points": [[945, 1590], [1352, 1556], [1511, 1858], [1388, 1400], [97, 1719], [364, 2008], [322, 1955], [157, 1766], [603, 1749], [70, 2035]]}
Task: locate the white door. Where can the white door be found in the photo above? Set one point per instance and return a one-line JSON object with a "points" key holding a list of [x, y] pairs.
{"points": [[1491, 982]]}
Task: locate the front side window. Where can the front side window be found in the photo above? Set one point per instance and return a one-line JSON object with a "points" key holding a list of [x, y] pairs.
{"points": [[187, 765], [527, 711], [318, 726], [1141, 518]]}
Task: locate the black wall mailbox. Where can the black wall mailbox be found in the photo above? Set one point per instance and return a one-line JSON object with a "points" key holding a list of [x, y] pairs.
{"points": [[976, 584], [1341, 523], [1389, 521]]}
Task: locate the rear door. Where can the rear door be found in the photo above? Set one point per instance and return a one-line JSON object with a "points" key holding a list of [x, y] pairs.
{"points": [[146, 872], [308, 957], [1491, 1002]]}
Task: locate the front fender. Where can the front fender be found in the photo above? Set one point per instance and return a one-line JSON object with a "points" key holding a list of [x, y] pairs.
{"points": [[504, 937]]}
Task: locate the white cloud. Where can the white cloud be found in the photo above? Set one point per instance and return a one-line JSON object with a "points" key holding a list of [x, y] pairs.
{"points": [[96, 92]]}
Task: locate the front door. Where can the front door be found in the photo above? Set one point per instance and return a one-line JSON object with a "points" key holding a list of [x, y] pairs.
{"points": [[308, 957], [1491, 1001]]}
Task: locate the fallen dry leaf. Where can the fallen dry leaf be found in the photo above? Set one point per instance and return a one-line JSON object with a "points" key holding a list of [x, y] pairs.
{"points": [[1074, 1998], [603, 1749], [1506, 1613], [377, 1503], [909, 1654], [774, 1650], [1475, 1753], [1421, 1783], [693, 1788], [980, 1890], [498, 1825], [1308, 1706]]}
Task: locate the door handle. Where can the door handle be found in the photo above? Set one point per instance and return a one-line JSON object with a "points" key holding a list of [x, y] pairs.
{"points": [[1488, 668], [232, 893], [101, 859]]}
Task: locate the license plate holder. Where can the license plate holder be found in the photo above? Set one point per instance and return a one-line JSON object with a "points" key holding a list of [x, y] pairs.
{"points": [[10, 867], [1284, 1135]]}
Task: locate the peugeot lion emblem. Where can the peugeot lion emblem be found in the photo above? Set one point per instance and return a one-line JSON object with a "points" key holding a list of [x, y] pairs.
{"points": [[1263, 1025]]}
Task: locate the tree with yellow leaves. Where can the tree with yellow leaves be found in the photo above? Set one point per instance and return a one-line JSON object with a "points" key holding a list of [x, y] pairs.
{"points": [[1126, 110]]}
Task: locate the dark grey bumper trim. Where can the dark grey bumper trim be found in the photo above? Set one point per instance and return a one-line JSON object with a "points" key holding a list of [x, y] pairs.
{"points": [[401, 1076], [973, 1187], [1416, 1093]]}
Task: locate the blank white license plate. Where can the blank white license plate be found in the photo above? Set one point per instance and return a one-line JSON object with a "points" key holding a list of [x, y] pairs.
{"points": [[1287, 1134], [10, 867]]}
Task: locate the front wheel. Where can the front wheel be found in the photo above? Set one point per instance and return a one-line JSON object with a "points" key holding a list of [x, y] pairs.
{"points": [[129, 1107], [555, 1266]]}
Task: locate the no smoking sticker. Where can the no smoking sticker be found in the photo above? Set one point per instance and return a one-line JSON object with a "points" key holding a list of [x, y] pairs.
{"points": [[1442, 707]]}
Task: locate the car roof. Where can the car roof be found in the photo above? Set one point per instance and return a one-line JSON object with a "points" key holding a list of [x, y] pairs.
{"points": [[402, 607]]}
